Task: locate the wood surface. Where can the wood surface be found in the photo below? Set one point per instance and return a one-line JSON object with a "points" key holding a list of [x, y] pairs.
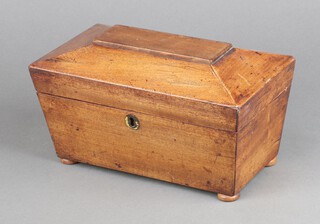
{"points": [[195, 112], [272, 162], [231, 81], [140, 70], [163, 149], [211, 117], [67, 162], [258, 142], [153, 85], [245, 73], [208, 94], [163, 44], [227, 198]]}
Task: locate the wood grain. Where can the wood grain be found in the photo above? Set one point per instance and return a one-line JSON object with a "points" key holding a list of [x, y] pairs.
{"points": [[211, 116], [232, 86], [258, 142], [162, 44], [162, 149], [264, 96], [163, 105], [138, 70], [244, 73]]}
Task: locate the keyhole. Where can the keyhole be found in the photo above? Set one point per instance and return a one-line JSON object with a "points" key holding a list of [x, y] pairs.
{"points": [[132, 121]]}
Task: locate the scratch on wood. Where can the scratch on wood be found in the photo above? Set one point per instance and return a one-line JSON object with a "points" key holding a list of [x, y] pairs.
{"points": [[215, 160], [244, 79], [280, 93], [222, 83], [206, 169]]}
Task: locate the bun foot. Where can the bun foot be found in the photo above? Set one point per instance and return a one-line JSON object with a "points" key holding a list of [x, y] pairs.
{"points": [[67, 162], [227, 198], [272, 162]]}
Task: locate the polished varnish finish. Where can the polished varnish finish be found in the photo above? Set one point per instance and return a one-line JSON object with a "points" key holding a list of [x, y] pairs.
{"points": [[194, 112], [163, 44]]}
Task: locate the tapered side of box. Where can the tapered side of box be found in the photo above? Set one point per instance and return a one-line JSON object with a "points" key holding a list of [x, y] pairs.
{"points": [[258, 139]]}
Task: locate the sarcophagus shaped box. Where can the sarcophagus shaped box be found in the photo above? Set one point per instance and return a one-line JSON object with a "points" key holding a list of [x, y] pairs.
{"points": [[189, 111]]}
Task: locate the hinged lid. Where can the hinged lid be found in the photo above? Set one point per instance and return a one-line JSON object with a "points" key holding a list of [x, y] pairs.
{"points": [[188, 79]]}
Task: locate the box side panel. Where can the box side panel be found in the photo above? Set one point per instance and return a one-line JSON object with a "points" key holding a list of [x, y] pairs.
{"points": [[163, 149], [258, 142], [163, 105], [246, 74], [265, 95]]}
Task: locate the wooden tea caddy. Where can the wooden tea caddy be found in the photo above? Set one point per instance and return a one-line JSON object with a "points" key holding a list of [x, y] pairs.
{"points": [[190, 111]]}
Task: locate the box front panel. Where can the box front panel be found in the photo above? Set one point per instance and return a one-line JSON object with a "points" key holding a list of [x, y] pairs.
{"points": [[160, 148]]}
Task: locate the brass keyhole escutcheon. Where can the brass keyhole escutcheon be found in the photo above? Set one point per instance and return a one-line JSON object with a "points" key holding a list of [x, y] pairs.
{"points": [[132, 121]]}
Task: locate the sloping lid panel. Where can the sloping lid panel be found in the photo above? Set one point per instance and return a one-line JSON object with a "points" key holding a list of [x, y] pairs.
{"points": [[245, 72], [142, 71]]}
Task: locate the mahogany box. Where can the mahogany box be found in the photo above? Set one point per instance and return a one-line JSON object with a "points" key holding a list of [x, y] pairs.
{"points": [[185, 110]]}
